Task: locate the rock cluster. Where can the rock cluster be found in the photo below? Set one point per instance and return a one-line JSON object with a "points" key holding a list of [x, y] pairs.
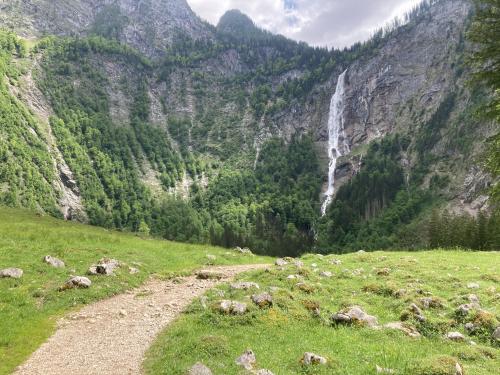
{"points": [[232, 307]]}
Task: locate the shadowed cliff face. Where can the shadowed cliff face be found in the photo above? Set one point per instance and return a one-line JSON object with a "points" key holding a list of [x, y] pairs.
{"points": [[149, 26]]}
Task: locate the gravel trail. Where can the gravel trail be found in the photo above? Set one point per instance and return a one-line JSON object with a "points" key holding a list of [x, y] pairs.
{"points": [[111, 337]]}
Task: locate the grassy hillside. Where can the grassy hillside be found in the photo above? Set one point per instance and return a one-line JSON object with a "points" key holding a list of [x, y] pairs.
{"points": [[383, 284], [29, 307]]}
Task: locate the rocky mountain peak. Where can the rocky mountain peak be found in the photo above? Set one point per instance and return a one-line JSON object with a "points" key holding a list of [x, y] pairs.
{"points": [[237, 23]]}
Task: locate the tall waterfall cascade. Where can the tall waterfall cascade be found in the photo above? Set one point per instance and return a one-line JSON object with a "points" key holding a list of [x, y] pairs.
{"points": [[337, 142]]}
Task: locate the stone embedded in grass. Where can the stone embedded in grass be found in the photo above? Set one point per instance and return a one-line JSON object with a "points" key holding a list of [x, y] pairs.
{"points": [[199, 369], [262, 300], [407, 329], [382, 370], [298, 263], [211, 258], [335, 262], [384, 271], [306, 288], [455, 336], [473, 285], [208, 275], [133, 270], [264, 372], [354, 315], [439, 365], [232, 307], [54, 262], [313, 359], [280, 262], [326, 274], [105, 266], [496, 334], [465, 309], [12, 273], [473, 299], [431, 303], [245, 285], [77, 282], [245, 251], [247, 360]]}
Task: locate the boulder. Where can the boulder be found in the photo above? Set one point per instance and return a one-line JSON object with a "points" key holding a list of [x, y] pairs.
{"points": [[12, 273], [262, 300], [354, 315], [77, 282], [208, 275], [245, 285], [105, 266], [313, 359], [247, 360], [407, 329], [455, 336], [199, 369], [54, 262]]}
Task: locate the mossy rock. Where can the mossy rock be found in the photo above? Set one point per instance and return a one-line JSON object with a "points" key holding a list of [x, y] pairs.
{"points": [[439, 365]]}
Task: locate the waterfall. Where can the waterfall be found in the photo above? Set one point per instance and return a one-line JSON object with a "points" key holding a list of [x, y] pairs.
{"points": [[337, 143]]}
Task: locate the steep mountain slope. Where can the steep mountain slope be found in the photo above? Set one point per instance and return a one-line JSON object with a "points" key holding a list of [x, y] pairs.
{"points": [[149, 102]]}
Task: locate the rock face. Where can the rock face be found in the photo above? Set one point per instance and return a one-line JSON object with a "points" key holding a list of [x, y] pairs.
{"points": [[12, 273], [54, 262], [148, 26], [354, 315]]}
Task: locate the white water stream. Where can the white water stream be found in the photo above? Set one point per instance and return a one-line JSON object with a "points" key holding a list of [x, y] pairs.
{"points": [[337, 143]]}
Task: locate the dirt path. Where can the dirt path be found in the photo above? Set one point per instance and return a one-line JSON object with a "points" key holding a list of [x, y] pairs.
{"points": [[111, 337]]}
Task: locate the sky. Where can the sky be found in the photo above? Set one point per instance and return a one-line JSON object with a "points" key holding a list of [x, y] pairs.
{"points": [[324, 23]]}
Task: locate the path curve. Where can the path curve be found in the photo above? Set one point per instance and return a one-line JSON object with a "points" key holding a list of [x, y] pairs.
{"points": [[110, 337]]}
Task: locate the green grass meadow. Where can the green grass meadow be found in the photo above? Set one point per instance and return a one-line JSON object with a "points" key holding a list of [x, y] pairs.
{"points": [[280, 335], [30, 306]]}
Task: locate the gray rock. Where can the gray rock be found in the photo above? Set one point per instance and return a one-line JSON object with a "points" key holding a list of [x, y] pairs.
{"points": [[264, 372], [245, 285], [262, 300], [382, 370], [473, 285], [281, 262], [104, 267], [54, 262], [77, 282], [336, 262], [208, 275], [12, 273], [354, 315], [313, 359], [232, 307], [473, 299], [243, 251], [199, 369], [247, 360], [496, 334], [133, 270], [455, 336], [407, 329], [327, 274], [298, 263]]}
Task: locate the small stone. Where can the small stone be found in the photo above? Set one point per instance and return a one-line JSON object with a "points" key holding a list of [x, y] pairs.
{"points": [[264, 372], [354, 315], [336, 262], [133, 270], [123, 313], [245, 285], [314, 265], [13, 273], [291, 277], [54, 262], [77, 282], [263, 300], [313, 359], [382, 370], [208, 275], [245, 250], [298, 263], [281, 262], [408, 329], [247, 360], [384, 272], [430, 303], [232, 307], [458, 369], [470, 327], [496, 334], [473, 285], [199, 369], [327, 274], [455, 336]]}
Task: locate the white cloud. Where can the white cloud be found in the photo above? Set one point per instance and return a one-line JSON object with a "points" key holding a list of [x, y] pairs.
{"points": [[333, 23]]}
